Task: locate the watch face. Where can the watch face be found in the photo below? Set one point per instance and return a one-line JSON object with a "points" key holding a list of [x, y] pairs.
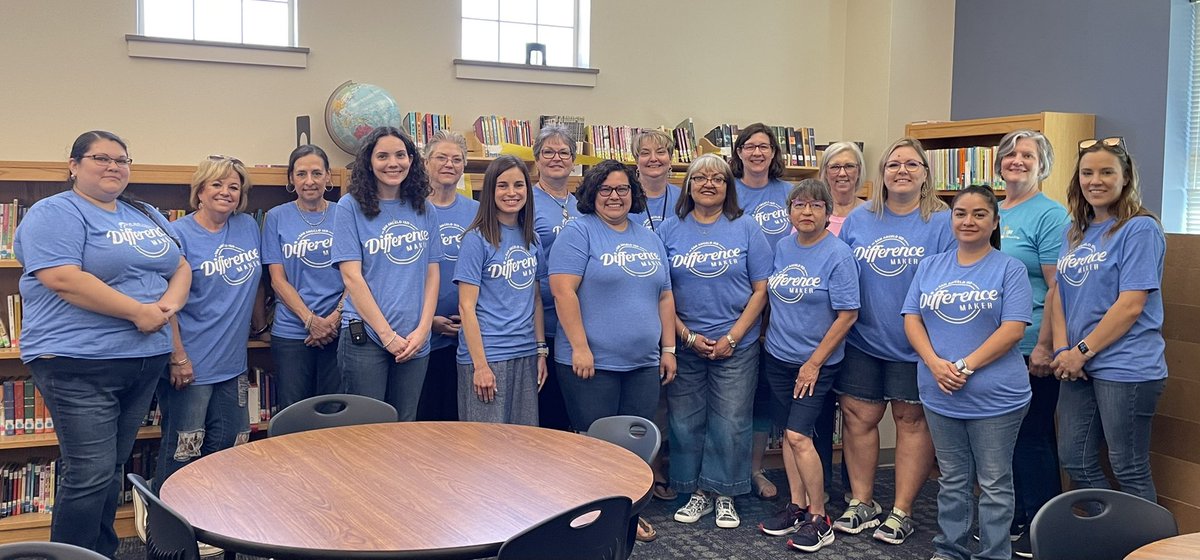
{"points": [[1083, 347]]}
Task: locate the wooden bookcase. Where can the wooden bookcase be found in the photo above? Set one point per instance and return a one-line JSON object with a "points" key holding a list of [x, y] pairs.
{"points": [[1063, 130]]}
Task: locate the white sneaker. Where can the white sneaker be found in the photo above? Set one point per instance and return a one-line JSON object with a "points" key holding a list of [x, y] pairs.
{"points": [[697, 506], [207, 550], [727, 516], [139, 515]]}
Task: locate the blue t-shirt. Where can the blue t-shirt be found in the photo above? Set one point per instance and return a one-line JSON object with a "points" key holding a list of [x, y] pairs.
{"points": [[1033, 233], [962, 306], [125, 249], [888, 251], [658, 209], [215, 322], [712, 267], [395, 248], [1093, 274], [807, 288], [303, 243], [768, 207], [507, 277], [623, 274], [452, 222], [548, 221]]}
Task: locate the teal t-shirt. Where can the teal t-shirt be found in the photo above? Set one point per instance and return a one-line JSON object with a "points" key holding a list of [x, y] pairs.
{"points": [[1032, 232]]}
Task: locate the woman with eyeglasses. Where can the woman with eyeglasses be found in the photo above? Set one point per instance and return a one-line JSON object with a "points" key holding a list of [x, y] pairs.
{"points": [[842, 170], [814, 299], [965, 312], [719, 264], [1107, 322], [101, 278], [1032, 231], [655, 150], [554, 207], [758, 164], [903, 224], [446, 159], [297, 247], [501, 351], [203, 401], [386, 247]]}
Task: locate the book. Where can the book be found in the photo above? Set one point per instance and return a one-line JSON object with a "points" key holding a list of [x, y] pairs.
{"points": [[9, 411], [29, 406]]}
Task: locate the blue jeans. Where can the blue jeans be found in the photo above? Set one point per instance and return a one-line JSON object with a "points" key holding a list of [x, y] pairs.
{"points": [[970, 451], [1035, 458], [97, 406], [200, 420], [303, 371], [608, 393], [709, 406], [371, 371], [1118, 413]]}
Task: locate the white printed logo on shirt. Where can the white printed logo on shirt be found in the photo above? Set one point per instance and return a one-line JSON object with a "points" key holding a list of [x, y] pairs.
{"points": [[792, 282], [889, 255], [234, 264], [1076, 265], [451, 234], [959, 301], [401, 242], [707, 259], [519, 268], [313, 247], [151, 241], [633, 259], [771, 217]]}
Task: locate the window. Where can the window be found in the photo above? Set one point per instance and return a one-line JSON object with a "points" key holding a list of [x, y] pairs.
{"points": [[498, 30], [1192, 179], [251, 22]]}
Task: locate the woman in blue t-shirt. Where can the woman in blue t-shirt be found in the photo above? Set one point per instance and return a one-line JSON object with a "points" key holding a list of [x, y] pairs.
{"points": [[297, 247], [1108, 322], [385, 244], [203, 401], [501, 351], [654, 150], [101, 279], [719, 263], [965, 312], [902, 224]]}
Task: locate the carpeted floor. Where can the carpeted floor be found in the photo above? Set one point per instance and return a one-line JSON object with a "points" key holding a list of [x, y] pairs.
{"points": [[703, 540]]}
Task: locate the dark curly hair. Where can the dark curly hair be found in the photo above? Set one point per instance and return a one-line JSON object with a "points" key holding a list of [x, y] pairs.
{"points": [[594, 178], [363, 187]]}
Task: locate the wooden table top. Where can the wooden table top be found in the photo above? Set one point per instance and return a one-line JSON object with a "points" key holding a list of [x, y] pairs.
{"points": [[1182, 547], [418, 489]]}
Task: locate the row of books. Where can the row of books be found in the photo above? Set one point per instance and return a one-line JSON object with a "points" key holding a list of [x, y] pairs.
{"points": [[613, 142], [572, 123], [492, 130], [799, 145], [956, 168], [686, 147], [27, 487], [422, 126], [10, 332], [10, 214], [24, 409]]}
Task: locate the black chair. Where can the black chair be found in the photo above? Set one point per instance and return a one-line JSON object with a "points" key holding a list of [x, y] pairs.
{"points": [[1122, 524], [48, 551], [634, 433], [561, 536], [330, 411], [168, 535]]}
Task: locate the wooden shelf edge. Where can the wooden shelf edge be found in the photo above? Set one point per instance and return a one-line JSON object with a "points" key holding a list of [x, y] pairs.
{"points": [[149, 174], [36, 526]]}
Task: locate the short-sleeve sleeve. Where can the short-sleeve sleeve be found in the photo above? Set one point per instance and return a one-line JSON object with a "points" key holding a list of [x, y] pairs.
{"points": [[272, 253], [1050, 234], [571, 250], [471, 256], [543, 270], [1018, 294], [843, 285], [346, 244], [761, 257], [1142, 251], [912, 301], [51, 234], [436, 255]]}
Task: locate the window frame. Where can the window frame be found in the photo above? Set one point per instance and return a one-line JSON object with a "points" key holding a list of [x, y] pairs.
{"points": [[580, 32], [292, 34], [139, 45]]}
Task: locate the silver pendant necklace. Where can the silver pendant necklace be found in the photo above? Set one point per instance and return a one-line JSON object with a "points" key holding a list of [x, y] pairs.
{"points": [[323, 214]]}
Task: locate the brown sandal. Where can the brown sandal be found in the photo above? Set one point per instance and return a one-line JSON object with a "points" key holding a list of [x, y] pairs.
{"points": [[645, 531], [663, 491], [763, 487]]}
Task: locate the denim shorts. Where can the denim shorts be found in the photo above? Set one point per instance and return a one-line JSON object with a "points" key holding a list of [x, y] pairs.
{"points": [[872, 379], [797, 415]]}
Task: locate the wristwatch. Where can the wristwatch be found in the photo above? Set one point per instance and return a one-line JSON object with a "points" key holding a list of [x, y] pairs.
{"points": [[961, 366], [1083, 349]]}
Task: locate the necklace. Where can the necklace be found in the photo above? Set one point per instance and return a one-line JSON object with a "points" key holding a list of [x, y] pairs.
{"points": [[563, 204], [324, 212]]}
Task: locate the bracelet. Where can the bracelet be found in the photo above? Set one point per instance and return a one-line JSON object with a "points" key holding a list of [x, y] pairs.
{"points": [[732, 342], [1058, 351], [543, 352], [308, 321], [668, 350], [542, 344], [691, 340], [340, 305], [182, 362], [391, 340]]}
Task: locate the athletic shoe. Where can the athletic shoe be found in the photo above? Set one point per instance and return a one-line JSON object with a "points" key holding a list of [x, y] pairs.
{"points": [[139, 515], [1023, 547], [207, 550], [697, 506], [899, 526], [727, 516], [813, 534], [858, 516], [784, 522]]}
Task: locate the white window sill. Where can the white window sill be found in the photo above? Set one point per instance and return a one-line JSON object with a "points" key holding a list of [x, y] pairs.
{"points": [[141, 46], [525, 73]]}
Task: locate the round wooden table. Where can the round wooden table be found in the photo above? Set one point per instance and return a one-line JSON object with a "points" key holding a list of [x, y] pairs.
{"points": [[419, 489], [1182, 547]]}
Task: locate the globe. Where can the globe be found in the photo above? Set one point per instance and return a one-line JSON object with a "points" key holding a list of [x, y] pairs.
{"points": [[354, 110]]}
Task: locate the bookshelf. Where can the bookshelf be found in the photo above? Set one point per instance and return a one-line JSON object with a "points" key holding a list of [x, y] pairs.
{"points": [[1063, 130]]}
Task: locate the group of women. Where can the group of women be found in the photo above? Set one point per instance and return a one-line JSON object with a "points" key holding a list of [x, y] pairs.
{"points": [[975, 324]]}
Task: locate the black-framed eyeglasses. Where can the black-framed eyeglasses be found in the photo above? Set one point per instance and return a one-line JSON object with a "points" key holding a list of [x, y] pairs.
{"points": [[1117, 142], [107, 160], [621, 190], [230, 159], [560, 154]]}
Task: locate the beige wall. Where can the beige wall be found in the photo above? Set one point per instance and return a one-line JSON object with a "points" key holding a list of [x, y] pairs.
{"points": [[794, 63]]}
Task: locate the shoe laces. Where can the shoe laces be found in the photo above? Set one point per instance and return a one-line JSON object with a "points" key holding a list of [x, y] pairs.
{"points": [[725, 507], [696, 504]]}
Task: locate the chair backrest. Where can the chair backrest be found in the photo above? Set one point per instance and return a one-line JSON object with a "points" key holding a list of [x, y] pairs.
{"points": [[330, 411], [634, 433], [47, 550], [1121, 524], [168, 534], [566, 536]]}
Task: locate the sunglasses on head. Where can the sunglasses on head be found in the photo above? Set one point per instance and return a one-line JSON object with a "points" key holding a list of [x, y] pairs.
{"points": [[232, 160], [1117, 142]]}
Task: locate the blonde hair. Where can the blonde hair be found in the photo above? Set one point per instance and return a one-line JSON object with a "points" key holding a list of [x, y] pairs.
{"points": [[657, 137], [216, 167], [930, 203]]}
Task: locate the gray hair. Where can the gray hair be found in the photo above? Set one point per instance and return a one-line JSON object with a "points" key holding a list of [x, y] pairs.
{"points": [[448, 136], [837, 148], [815, 189], [1045, 151], [553, 131]]}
